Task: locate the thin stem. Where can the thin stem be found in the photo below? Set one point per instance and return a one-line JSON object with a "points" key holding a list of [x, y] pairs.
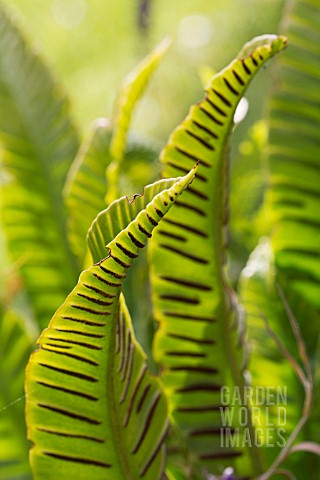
{"points": [[306, 381]]}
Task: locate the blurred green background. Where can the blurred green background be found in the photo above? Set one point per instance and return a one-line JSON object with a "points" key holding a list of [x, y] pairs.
{"points": [[92, 45]]}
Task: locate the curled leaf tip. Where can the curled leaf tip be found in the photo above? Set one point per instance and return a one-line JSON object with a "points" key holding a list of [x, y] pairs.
{"points": [[275, 42]]}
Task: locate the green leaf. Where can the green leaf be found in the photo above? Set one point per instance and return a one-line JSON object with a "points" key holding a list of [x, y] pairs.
{"points": [[111, 221], [293, 198], [15, 348], [95, 177], [39, 142], [197, 343], [86, 185], [93, 409], [131, 91], [267, 366]]}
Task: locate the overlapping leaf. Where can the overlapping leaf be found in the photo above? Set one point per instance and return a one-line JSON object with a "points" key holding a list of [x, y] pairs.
{"points": [[94, 411], [15, 348], [130, 92], [95, 178], [197, 343], [39, 142], [294, 164], [269, 369], [85, 187], [293, 208]]}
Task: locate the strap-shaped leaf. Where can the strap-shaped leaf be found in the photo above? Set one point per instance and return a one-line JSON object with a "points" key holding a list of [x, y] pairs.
{"points": [[15, 348], [95, 173], [85, 187], [197, 340], [293, 206], [132, 88], [39, 143], [294, 164], [130, 93], [93, 409]]}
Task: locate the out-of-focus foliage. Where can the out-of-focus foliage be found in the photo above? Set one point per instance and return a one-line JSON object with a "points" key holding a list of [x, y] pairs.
{"points": [[290, 259], [48, 207], [93, 44]]}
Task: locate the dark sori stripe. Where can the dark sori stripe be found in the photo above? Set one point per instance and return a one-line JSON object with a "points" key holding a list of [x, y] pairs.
{"points": [[122, 336], [147, 424], [245, 66], [127, 252], [113, 274], [81, 460], [135, 241], [187, 317], [205, 129], [67, 413], [70, 435], [197, 194], [71, 355], [193, 157], [200, 387], [134, 395], [203, 142], [129, 350], [197, 210], [184, 254], [238, 78], [230, 87], [143, 397], [121, 262], [144, 231], [118, 333], [187, 228], [153, 222], [212, 117], [180, 299], [159, 212], [84, 322], [187, 283], [106, 282], [222, 97], [99, 291], [97, 301], [172, 235], [216, 108], [154, 454], [90, 310], [74, 342], [202, 178], [255, 63], [77, 332], [70, 373], [68, 390], [200, 341], [128, 374]]}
